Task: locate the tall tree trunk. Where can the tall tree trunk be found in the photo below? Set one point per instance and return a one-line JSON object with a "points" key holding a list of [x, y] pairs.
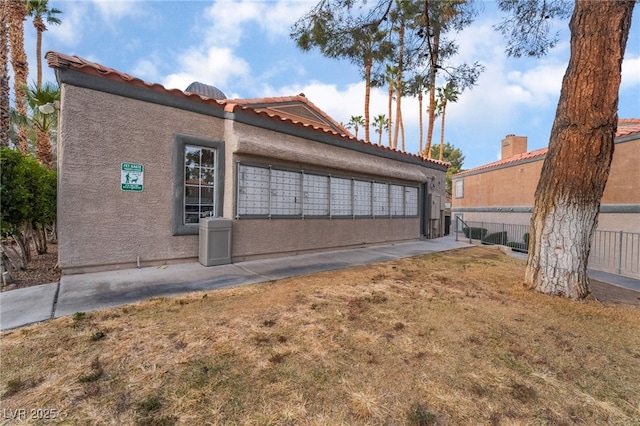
{"points": [[38, 23], [399, 82], [17, 14], [576, 168], [43, 144], [5, 109], [420, 118], [444, 111], [402, 131], [390, 115], [367, 97]]}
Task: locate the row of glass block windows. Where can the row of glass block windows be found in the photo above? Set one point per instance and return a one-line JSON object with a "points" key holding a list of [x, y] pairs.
{"points": [[272, 192]]}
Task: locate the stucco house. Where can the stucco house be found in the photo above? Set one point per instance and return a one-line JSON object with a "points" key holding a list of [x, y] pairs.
{"points": [[503, 191], [141, 167], [497, 199]]}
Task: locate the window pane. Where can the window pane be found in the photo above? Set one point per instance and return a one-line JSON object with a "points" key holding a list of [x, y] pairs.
{"points": [[191, 156], [206, 195], [208, 158], [191, 194], [191, 175], [207, 176]]}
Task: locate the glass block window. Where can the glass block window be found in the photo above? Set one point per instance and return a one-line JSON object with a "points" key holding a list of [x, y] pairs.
{"points": [[199, 183], [397, 200], [286, 193], [341, 197], [362, 198], [380, 199], [316, 195], [411, 200], [253, 190]]}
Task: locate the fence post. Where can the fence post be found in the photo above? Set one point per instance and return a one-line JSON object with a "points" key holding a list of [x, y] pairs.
{"points": [[620, 254]]}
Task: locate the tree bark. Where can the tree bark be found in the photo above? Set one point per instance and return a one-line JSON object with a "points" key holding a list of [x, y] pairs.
{"points": [[17, 14], [367, 97], [576, 167], [5, 109]]}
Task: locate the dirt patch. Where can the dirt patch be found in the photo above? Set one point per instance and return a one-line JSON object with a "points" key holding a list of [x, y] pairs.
{"points": [[41, 270], [386, 343]]}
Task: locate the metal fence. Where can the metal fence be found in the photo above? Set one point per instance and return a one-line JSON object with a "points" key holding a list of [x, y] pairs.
{"points": [[616, 252]]}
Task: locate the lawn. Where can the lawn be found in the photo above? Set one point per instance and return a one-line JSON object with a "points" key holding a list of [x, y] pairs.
{"points": [[449, 339]]}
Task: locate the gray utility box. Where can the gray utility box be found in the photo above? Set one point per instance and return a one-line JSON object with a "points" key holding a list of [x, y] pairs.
{"points": [[215, 241]]}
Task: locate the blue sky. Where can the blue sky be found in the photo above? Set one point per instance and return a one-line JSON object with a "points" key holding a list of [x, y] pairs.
{"points": [[244, 49]]}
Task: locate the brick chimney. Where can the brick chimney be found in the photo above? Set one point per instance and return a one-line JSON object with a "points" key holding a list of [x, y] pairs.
{"points": [[513, 145]]}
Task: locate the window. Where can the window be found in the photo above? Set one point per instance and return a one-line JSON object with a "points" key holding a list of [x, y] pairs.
{"points": [[459, 188], [198, 181]]}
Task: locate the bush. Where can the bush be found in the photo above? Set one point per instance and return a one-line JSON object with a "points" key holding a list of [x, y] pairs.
{"points": [[496, 238], [525, 237], [518, 246], [474, 233]]}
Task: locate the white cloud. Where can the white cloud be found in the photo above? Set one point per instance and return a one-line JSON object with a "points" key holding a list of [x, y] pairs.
{"points": [[111, 10], [211, 65], [630, 72], [69, 32]]}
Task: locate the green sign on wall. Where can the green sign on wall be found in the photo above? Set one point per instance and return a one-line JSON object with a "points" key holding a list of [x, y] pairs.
{"points": [[132, 177]]}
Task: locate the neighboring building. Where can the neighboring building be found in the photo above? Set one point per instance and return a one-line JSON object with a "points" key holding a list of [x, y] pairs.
{"points": [[139, 166], [503, 191]]}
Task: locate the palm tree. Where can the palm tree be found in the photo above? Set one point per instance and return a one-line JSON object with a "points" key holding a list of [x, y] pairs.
{"points": [[448, 93], [380, 123], [5, 109], [39, 10], [16, 14], [417, 86], [44, 118], [390, 74], [355, 122]]}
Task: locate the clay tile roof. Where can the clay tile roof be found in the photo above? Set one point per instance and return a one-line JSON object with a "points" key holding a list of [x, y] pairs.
{"points": [[270, 108], [626, 127]]}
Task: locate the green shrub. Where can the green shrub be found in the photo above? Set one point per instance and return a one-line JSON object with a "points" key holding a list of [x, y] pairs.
{"points": [[525, 237], [496, 238], [474, 233], [518, 246]]}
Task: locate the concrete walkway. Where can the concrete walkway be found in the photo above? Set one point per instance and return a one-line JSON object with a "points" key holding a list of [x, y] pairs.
{"points": [[89, 292]]}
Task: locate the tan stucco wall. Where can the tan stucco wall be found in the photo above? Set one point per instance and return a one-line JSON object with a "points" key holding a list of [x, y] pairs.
{"points": [[623, 185], [254, 238], [509, 186], [515, 186], [98, 223], [102, 227]]}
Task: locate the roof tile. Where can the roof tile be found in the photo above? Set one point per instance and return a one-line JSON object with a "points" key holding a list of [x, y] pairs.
{"points": [[63, 61]]}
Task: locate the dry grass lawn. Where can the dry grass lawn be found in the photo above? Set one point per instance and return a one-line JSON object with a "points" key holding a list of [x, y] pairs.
{"points": [[447, 339]]}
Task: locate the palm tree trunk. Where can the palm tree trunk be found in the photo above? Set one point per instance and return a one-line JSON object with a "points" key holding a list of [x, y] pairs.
{"points": [[367, 97], [17, 15], [40, 28], [421, 126], [390, 115], [399, 83], [402, 131], [5, 109], [444, 111]]}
